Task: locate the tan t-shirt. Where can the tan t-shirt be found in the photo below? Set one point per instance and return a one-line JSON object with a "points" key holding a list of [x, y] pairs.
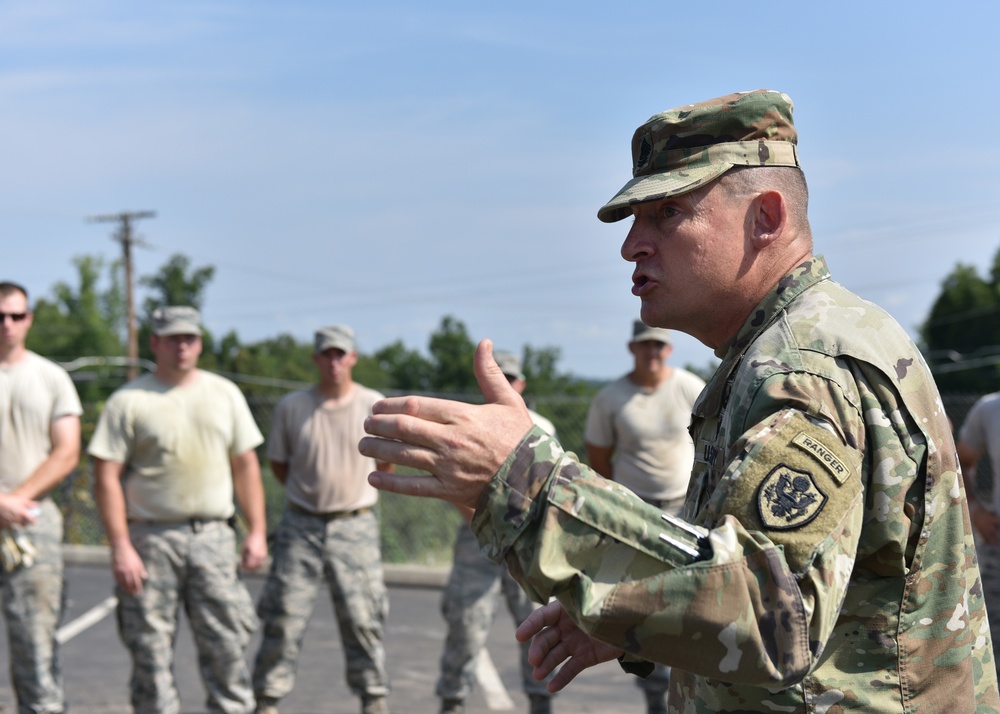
{"points": [[326, 472], [648, 430], [176, 444], [33, 393]]}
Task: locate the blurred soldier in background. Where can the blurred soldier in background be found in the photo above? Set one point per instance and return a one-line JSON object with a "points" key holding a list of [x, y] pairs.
{"points": [[472, 597], [40, 443], [637, 435], [170, 450], [978, 437], [328, 532]]}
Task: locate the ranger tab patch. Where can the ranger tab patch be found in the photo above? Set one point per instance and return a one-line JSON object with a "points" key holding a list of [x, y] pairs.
{"points": [[788, 498]]}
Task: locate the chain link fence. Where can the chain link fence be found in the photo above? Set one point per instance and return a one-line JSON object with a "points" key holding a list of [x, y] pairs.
{"points": [[414, 530]]}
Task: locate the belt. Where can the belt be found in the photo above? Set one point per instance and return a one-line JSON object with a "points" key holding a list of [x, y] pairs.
{"points": [[196, 524], [331, 515]]}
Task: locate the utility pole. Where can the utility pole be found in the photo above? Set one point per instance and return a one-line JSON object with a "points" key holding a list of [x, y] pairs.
{"points": [[125, 237]]}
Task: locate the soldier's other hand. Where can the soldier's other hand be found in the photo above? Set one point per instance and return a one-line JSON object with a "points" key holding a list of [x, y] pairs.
{"points": [[460, 445], [254, 551], [128, 568], [557, 640], [17, 510]]}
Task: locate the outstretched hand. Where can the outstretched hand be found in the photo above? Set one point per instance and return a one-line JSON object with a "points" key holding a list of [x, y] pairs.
{"points": [[461, 445], [557, 640]]}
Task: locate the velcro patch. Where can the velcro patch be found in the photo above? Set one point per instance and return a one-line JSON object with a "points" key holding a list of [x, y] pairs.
{"points": [[788, 498]]}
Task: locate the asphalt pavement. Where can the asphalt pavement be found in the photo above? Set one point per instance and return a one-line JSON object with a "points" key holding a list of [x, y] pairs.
{"points": [[96, 665]]}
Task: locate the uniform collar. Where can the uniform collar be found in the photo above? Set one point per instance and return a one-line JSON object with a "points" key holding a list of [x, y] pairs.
{"points": [[789, 287]]}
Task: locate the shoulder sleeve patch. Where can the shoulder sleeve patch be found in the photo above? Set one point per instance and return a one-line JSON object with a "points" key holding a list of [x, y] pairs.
{"points": [[794, 481], [788, 499]]}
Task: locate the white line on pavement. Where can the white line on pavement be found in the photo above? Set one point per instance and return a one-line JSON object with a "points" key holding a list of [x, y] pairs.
{"points": [[87, 619], [496, 695]]}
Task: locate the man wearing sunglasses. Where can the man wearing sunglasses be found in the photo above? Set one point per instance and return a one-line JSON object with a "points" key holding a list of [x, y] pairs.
{"points": [[40, 445]]}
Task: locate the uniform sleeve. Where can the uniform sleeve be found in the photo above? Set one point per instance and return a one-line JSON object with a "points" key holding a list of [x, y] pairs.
{"points": [[973, 432], [246, 434], [67, 401], [113, 436], [751, 599]]}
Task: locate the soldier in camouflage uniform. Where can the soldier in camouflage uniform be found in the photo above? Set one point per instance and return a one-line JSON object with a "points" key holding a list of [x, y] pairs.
{"points": [[470, 599], [328, 532], [170, 450], [40, 442], [826, 562]]}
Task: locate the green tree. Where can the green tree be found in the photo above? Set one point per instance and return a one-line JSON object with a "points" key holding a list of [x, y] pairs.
{"points": [[452, 351], [84, 321], [81, 320], [177, 283], [961, 336], [404, 369]]}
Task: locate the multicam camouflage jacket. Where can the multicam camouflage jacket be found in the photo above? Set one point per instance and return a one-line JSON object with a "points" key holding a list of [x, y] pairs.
{"points": [[827, 563]]}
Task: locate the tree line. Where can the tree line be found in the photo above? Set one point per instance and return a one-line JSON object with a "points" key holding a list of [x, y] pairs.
{"points": [[960, 337], [87, 319]]}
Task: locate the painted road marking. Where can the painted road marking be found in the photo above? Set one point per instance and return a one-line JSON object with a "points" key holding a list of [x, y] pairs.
{"points": [[87, 619], [496, 695]]}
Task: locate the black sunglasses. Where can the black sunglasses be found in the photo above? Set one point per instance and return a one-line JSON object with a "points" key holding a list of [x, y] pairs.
{"points": [[15, 316]]}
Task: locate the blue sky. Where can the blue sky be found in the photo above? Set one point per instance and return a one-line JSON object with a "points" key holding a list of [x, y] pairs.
{"points": [[384, 164]]}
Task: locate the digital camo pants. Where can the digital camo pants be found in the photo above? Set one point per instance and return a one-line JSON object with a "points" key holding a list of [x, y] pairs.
{"points": [[469, 605], [32, 608], [193, 565], [346, 554]]}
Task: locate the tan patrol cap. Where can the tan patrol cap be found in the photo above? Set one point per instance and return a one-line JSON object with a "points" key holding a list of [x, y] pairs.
{"points": [[340, 337], [176, 320]]}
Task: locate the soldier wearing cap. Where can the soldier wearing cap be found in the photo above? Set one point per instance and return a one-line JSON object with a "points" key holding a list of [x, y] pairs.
{"points": [[40, 441], [471, 598], [328, 532], [825, 561], [170, 450], [636, 434]]}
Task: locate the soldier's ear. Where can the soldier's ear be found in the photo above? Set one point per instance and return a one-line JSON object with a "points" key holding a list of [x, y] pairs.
{"points": [[769, 215]]}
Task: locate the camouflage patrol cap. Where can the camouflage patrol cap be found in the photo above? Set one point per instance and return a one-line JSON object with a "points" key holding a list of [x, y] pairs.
{"points": [[641, 332], [339, 337], [176, 320], [684, 148], [509, 363]]}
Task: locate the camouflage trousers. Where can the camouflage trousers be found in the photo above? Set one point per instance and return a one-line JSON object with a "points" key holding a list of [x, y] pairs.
{"points": [[345, 552], [32, 607], [469, 605], [194, 565], [989, 566]]}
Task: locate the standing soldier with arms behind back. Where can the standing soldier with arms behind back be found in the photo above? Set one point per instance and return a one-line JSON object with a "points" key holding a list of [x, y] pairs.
{"points": [[329, 531], [637, 435], [40, 446], [170, 450]]}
